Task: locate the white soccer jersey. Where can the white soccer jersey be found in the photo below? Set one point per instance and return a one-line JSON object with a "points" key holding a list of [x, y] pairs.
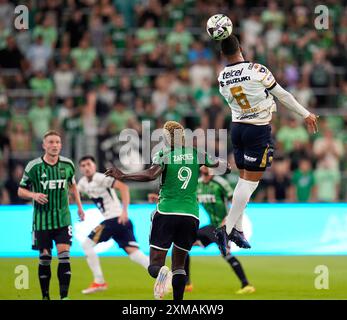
{"points": [[245, 85], [100, 190]]}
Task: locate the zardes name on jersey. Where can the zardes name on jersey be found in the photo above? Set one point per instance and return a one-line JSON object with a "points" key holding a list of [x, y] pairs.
{"points": [[179, 180], [100, 190], [245, 85], [54, 181]]}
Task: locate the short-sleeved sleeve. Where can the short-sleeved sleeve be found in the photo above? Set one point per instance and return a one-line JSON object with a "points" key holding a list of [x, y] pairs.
{"points": [[25, 181], [106, 182], [265, 76], [72, 179]]}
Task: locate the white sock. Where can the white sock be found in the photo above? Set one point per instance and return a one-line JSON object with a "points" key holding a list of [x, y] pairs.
{"points": [[93, 260], [241, 196], [239, 223], [139, 257]]}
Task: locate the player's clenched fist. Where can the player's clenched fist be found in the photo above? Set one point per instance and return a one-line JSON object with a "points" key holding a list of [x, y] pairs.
{"points": [[115, 173], [311, 123], [40, 198]]}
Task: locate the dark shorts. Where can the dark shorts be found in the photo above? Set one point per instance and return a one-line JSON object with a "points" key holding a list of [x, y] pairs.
{"points": [[122, 234], [206, 235], [179, 230], [44, 239], [253, 146]]}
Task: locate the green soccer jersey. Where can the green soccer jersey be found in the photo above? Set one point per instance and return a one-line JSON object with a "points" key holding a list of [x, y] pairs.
{"points": [[214, 196], [179, 180], [53, 180]]}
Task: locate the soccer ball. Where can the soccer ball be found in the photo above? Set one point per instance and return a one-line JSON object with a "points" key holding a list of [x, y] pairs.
{"points": [[219, 27]]}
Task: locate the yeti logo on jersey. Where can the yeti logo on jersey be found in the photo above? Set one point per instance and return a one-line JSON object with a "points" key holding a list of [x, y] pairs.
{"points": [[53, 184], [206, 198], [250, 159]]}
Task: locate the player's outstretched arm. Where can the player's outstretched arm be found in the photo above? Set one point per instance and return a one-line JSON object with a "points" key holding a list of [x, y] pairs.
{"points": [[288, 100], [149, 174]]}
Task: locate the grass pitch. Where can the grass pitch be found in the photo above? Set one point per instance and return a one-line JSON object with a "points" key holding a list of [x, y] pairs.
{"points": [[275, 277]]}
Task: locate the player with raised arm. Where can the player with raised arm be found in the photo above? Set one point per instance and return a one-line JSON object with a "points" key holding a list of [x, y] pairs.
{"points": [[214, 193], [176, 219], [47, 181], [249, 88], [116, 225]]}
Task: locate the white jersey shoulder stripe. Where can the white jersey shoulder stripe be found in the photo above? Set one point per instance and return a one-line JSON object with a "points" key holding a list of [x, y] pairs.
{"points": [[33, 163]]}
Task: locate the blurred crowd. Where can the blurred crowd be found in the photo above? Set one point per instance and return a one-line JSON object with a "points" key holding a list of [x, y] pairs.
{"points": [[91, 68]]}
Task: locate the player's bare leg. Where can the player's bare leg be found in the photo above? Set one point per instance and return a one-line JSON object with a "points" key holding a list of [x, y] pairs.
{"points": [[178, 273], [44, 272], [136, 255], [159, 271], [93, 261], [64, 269]]}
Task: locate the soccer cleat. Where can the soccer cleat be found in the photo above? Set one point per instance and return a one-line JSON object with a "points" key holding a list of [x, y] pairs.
{"points": [[66, 298], [222, 239], [246, 290], [239, 239], [46, 298], [95, 287], [188, 287], [161, 283], [168, 287]]}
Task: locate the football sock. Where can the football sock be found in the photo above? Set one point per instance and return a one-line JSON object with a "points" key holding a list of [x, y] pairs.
{"points": [[45, 274], [93, 260], [139, 257], [178, 283], [239, 223], [153, 270], [237, 267], [242, 194], [64, 273], [187, 269]]}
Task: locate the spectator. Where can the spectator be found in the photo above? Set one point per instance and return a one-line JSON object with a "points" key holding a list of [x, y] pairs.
{"points": [[84, 56], [41, 84], [11, 186], [180, 35], [147, 37], [39, 55], [11, 57], [328, 149], [47, 31], [292, 134], [63, 79], [279, 186], [41, 119], [327, 181], [121, 118], [303, 181]]}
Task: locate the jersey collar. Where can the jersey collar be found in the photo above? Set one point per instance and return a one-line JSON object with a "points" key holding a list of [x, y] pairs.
{"points": [[233, 64]]}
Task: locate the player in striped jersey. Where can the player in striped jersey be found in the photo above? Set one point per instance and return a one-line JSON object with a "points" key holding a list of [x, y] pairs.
{"points": [[47, 181]]}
